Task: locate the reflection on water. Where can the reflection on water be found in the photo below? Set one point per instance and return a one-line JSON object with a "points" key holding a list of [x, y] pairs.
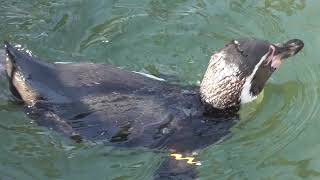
{"points": [[287, 6], [276, 139]]}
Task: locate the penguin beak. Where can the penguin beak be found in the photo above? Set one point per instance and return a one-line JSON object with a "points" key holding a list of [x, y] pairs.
{"points": [[290, 48], [278, 52]]}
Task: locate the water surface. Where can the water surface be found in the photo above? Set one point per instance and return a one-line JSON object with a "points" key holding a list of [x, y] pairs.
{"points": [[276, 139]]}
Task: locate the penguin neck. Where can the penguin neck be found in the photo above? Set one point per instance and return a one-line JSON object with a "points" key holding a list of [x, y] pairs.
{"points": [[222, 83]]}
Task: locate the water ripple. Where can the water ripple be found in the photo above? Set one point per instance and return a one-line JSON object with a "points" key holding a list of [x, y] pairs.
{"points": [[176, 37]]}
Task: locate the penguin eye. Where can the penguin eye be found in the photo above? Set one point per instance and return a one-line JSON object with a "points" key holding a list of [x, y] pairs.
{"points": [[244, 54], [241, 51]]}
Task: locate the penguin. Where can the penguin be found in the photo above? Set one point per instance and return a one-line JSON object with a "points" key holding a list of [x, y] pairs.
{"points": [[99, 102]]}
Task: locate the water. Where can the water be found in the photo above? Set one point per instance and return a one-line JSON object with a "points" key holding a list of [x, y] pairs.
{"points": [[276, 139]]}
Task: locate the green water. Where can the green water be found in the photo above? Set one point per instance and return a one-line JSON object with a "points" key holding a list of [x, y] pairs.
{"points": [[277, 139]]}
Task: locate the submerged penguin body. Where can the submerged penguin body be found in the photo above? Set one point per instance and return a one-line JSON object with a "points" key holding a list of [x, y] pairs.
{"points": [[99, 102], [118, 107]]}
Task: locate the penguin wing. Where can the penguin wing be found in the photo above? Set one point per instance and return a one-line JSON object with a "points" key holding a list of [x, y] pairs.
{"points": [[56, 82], [91, 101]]}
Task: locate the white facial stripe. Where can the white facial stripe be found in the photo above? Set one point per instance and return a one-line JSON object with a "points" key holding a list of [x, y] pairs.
{"points": [[272, 49], [246, 95]]}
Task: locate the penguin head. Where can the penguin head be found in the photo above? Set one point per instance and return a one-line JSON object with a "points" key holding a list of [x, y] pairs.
{"points": [[238, 72], [259, 60]]}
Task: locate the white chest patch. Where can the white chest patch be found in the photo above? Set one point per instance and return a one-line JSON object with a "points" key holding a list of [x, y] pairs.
{"points": [[221, 84], [246, 95]]}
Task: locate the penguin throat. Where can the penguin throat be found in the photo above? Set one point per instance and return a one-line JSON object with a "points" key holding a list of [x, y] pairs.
{"points": [[246, 93]]}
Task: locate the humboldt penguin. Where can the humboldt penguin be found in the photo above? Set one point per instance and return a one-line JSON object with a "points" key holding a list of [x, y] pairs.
{"points": [[99, 102]]}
